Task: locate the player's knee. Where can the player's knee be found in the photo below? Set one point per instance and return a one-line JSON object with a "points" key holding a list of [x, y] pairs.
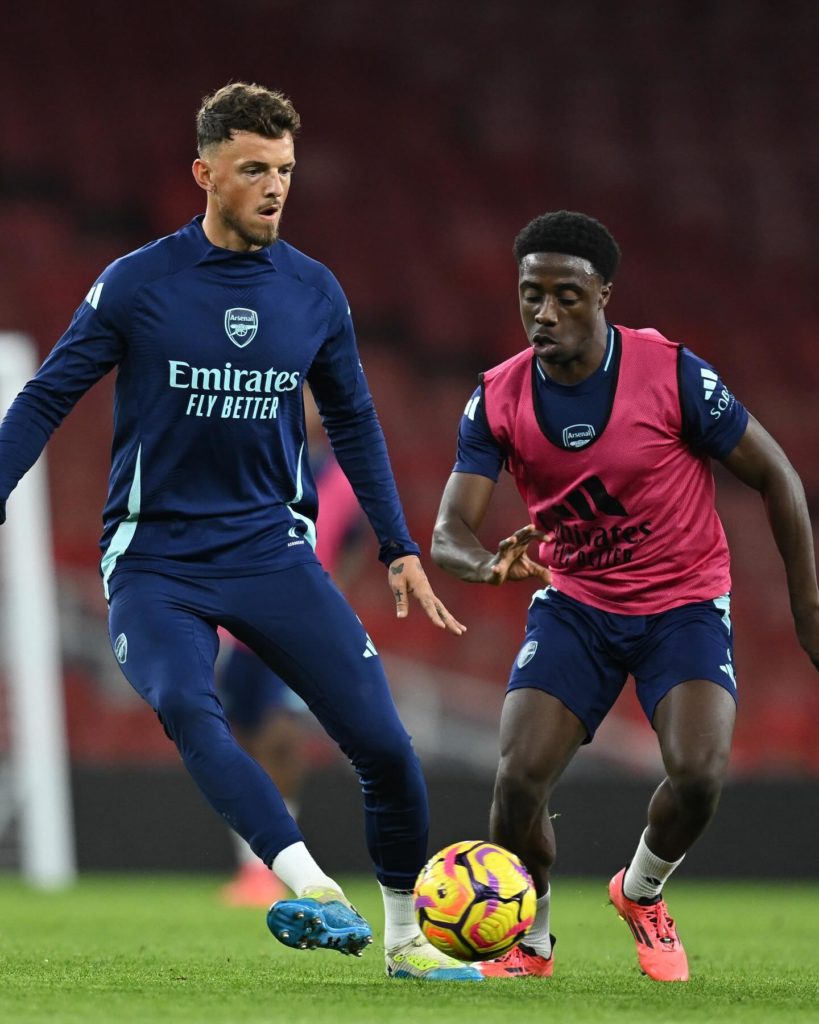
{"points": [[698, 781], [382, 754], [179, 711]]}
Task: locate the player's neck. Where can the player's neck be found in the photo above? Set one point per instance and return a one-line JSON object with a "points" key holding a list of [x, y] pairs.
{"points": [[223, 236]]}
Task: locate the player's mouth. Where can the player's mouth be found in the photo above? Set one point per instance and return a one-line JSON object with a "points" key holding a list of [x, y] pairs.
{"points": [[544, 343], [269, 212]]}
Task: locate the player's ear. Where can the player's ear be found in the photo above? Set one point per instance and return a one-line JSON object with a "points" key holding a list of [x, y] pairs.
{"points": [[202, 174], [605, 294]]}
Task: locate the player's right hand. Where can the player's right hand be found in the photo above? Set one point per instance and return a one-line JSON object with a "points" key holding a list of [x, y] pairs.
{"points": [[511, 561]]}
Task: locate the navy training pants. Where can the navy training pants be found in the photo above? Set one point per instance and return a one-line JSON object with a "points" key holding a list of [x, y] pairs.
{"points": [[163, 632]]}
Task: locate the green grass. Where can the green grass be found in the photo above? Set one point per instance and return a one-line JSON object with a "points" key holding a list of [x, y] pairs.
{"points": [[158, 949]]}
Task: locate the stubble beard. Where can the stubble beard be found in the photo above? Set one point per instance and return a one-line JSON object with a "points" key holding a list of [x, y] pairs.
{"points": [[262, 238]]}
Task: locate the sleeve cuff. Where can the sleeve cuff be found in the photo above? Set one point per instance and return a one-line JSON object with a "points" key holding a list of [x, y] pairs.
{"points": [[393, 549]]}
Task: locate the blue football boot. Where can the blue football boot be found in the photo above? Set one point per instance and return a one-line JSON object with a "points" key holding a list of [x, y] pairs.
{"points": [[319, 919]]}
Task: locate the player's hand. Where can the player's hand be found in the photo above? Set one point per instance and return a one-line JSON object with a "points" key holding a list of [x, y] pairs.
{"points": [[511, 561], [406, 576]]}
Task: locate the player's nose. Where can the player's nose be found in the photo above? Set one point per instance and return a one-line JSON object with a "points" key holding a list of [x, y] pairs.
{"points": [[274, 185], [546, 312]]}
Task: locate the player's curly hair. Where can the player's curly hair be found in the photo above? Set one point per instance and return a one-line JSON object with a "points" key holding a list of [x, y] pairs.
{"points": [[573, 234], [244, 107]]}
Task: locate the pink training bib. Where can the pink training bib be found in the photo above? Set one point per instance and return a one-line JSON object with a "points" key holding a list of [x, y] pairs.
{"points": [[636, 528]]}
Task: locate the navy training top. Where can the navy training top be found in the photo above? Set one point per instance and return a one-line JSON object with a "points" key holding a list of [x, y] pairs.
{"points": [[209, 470]]}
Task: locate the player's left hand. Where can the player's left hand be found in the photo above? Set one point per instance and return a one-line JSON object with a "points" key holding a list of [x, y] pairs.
{"points": [[406, 576]]}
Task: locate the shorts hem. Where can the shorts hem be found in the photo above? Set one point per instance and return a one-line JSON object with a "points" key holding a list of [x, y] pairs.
{"points": [[722, 684], [590, 731]]}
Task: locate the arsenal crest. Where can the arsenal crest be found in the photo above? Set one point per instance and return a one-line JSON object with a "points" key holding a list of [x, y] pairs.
{"points": [[241, 325], [527, 652]]}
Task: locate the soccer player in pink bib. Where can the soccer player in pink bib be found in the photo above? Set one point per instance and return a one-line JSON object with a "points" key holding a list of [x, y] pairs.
{"points": [[609, 433]]}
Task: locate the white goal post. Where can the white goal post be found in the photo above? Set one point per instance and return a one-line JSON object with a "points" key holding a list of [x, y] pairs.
{"points": [[35, 791]]}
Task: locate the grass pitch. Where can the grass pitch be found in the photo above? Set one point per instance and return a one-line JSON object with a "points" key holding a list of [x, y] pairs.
{"points": [[161, 950]]}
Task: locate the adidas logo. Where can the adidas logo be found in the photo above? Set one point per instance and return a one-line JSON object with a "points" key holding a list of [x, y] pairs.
{"points": [[93, 297], [471, 407], [709, 382], [728, 669], [369, 649], [594, 491]]}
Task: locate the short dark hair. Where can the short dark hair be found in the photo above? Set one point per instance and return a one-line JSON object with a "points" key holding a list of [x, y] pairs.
{"points": [[244, 107], [573, 234]]}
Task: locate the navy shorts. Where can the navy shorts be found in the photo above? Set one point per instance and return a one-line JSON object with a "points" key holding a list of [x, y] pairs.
{"points": [[583, 656]]}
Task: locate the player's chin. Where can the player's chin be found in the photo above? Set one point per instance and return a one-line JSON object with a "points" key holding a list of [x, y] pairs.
{"points": [[265, 234]]}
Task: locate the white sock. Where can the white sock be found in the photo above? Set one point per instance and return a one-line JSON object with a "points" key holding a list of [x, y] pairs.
{"points": [[297, 869], [400, 923], [539, 936], [647, 874]]}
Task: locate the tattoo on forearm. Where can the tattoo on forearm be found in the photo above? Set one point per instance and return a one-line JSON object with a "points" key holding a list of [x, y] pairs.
{"points": [[396, 570]]}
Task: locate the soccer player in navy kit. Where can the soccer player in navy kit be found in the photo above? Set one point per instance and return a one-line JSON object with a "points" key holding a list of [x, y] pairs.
{"points": [[609, 433], [264, 714], [210, 518]]}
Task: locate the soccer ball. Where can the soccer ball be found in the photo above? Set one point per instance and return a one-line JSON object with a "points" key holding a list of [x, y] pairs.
{"points": [[474, 900]]}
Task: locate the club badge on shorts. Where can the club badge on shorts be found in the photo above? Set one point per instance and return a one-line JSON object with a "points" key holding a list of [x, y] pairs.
{"points": [[121, 648], [527, 652]]}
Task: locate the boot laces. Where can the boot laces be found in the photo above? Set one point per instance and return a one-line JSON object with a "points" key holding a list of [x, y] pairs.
{"points": [[663, 922]]}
